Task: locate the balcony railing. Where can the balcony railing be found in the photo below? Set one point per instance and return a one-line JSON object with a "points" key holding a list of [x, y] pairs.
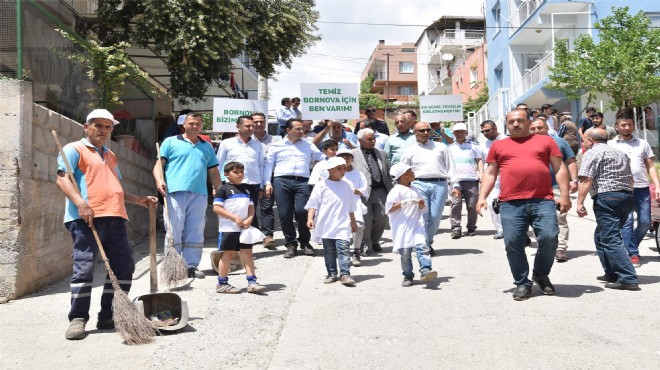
{"points": [[456, 37], [524, 11], [495, 109], [535, 75], [379, 76]]}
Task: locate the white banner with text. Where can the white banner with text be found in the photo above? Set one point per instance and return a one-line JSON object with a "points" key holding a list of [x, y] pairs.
{"points": [[226, 111], [441, 108], [329, 100]]}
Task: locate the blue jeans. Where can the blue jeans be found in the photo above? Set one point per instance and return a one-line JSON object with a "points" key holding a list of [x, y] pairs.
{"points": [[632, 238], [517, 217], [113, 236], [291, 197], [611, 210], [333, 249], [186, 212], [435, 196], [423, 257]]}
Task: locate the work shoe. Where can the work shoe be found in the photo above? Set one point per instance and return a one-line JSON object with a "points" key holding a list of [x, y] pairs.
{"points": [[376, 248], [308, 250], [291, 251], [269, 242], [76, 330], [471, 233], [330, 279], [544, 283], [347, 280], [255, 288], [428, 276], [456, 234], [226, 288], [407, 282], [356, 259], [635, 261], [105, 324], [498, 235], [522, 292], [622, 286], [607, 278], [431, 251], [561, 256], [193, 272]]}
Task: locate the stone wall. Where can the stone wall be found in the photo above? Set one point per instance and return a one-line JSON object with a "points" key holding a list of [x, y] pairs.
{"points": [[35, 248]]}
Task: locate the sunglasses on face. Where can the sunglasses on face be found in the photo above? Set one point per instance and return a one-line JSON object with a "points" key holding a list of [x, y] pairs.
{"points": [[371, 110], [486, 131], [424, 130]]}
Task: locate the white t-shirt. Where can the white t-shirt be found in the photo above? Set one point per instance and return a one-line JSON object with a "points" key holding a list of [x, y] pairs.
{"points": [[319, 173], [465, 159], [332, 219], [359, 182], [485, 147], [236, 200], [637, 150], [407, 223]]}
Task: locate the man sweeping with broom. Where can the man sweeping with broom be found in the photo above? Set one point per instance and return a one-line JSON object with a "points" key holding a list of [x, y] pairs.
{"points": [[100, 203]]}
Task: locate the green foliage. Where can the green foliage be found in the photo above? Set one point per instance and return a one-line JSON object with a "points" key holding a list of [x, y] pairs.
{"points": [[199, 38], [109, 67], [474, 104], [623, 64], [365, 85], [368, 99]]}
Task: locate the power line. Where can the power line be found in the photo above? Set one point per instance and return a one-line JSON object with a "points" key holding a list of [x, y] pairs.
{"points": [[493, 27]]}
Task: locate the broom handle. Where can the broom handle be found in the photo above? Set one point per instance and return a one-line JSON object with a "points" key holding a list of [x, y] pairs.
{"points": [[91, 225], [162, 177], [153, 267]]}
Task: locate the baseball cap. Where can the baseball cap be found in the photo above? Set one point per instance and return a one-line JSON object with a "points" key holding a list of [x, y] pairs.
{"points": [[460, 126], [398, 169], [101, 113], [344, 151], [334, 162]]}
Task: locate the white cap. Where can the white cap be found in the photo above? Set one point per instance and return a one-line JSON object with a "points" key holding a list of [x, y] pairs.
{"points": [[460, 126], [398, 169], [344, 151], [181, 119], [101, 113], [334, 162]]}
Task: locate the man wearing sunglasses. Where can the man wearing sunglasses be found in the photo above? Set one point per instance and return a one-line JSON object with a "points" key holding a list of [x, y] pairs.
{"points": [[434, 170], [380, 126]]}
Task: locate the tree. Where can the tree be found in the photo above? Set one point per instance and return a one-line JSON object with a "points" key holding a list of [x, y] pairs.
{"points": [[198, 39], [474, 104], [623, 64]]}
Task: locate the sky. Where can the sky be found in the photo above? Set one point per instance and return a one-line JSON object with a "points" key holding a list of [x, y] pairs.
{"points": [[344, 49]]}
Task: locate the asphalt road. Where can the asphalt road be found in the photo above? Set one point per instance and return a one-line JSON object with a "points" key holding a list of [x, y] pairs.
{"points": [[464, 319]]}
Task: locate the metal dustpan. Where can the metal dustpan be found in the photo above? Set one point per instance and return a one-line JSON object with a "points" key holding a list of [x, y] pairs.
{"points": [[163, 304]]}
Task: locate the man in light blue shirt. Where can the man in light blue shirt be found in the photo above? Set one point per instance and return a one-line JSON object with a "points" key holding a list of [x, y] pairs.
{"points": [[335, 130], [289, 162], [283, 114], [188, 162], [399, 140]]}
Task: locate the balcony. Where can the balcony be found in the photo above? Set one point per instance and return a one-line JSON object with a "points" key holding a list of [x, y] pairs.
{"points": [[535, 75], [452, 41], [495, 109], [520, 15]]}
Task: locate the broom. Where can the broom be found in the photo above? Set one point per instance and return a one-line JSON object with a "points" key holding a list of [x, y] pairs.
{"points": [[132, 325], [174, 268]]}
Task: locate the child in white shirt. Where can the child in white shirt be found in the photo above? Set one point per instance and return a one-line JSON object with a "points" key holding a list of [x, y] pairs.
{"points": [[360, 189], [332, 219], [319, 172], [405, 207]]}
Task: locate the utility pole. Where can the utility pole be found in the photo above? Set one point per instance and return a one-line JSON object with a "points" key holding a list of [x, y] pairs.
{"points": [[387, 85]]}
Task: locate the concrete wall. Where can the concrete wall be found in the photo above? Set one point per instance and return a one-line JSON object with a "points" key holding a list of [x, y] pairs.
{"points": [[35, 248]]}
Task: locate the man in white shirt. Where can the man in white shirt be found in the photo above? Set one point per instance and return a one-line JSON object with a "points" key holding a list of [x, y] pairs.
{"points": [[434, 170], [641, 163], [265, 209], [335, 130], [489, 130], [469, 169], [288, 160]]}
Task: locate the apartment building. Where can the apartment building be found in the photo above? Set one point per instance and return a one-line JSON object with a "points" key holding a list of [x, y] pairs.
{"points": [[394, 68]]}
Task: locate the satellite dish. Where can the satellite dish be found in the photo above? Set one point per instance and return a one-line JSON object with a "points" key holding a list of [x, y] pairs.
{"points": [[447, 57]]}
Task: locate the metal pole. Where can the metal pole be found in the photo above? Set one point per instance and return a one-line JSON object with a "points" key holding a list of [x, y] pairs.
{"points": [[19, 40], [387, 85]]}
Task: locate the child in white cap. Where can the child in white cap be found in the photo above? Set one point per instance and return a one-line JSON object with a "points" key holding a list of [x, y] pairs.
{"points": [[405, 207], [333, 221], [360, 189]]}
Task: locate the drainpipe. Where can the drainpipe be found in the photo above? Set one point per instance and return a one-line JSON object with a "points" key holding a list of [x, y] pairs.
{"points": [[19, 40]]}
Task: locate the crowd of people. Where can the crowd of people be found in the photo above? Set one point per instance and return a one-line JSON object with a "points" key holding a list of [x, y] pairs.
{"points": [[341, 189]]}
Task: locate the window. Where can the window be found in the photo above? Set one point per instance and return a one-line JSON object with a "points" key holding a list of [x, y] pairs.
{"points": [[498, 77], [408, 50], [497, 17], [474, 76], [406, 90], [406, 67]]}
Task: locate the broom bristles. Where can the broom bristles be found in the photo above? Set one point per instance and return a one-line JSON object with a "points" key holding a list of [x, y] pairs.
{"points": [[133, 326], [175, 268]]}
